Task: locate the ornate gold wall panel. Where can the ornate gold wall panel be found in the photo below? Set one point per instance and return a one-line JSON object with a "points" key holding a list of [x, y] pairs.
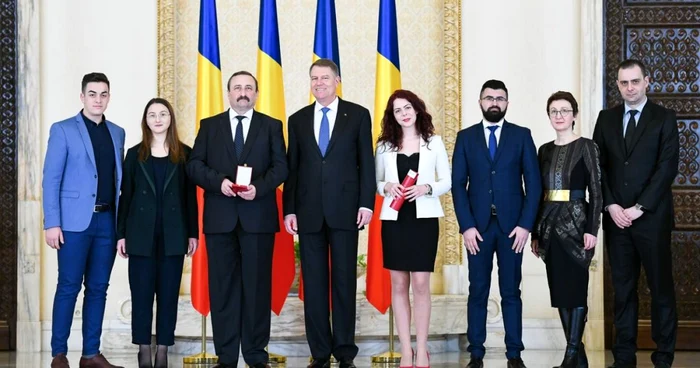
{"points": [[429, 44]]}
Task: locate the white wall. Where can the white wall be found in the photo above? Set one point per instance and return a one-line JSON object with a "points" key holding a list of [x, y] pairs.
{"points": [[117, 38], [533, 47]]}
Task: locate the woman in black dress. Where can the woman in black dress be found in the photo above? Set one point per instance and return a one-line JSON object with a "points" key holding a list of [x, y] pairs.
{"points": [[566, 231], [156, 227], [410, 235]]}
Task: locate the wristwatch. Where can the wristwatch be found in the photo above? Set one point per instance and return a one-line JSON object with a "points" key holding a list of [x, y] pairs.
{"points": [[430, 189], [639, 207]]}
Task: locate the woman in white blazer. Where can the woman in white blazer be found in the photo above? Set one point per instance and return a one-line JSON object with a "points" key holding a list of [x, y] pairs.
{"points": [[410, 235]]}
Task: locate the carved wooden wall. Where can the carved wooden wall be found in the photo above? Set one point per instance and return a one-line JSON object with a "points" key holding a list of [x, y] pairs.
{"points": [[665, 35], [8, 174]]}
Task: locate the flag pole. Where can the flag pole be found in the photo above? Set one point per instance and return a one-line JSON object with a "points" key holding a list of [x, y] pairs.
{"points": [[203, 357], [390, 356]]}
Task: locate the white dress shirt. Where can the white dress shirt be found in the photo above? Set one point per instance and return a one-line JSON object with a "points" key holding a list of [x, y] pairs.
{"points": [[626, 116], [234, 122], [487, 131], [331, 114]]}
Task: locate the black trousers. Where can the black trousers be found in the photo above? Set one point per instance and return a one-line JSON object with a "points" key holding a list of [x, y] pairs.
{"points": [[157, 276], [647, 244], [240, 283], [314, 248]]}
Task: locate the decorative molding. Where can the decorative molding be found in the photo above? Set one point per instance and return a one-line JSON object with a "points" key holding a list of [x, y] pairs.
{"points": [[453, 118], [166, 49]]}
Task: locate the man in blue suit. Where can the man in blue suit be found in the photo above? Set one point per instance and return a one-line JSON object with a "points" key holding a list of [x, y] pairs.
{"points": [[82, 177], [493, 158]]}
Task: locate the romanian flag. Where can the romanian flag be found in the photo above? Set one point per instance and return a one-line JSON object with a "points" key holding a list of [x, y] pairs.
{"points": [[210, 101], [271, 102], [325, 47], [326, 37], [388, 80]]}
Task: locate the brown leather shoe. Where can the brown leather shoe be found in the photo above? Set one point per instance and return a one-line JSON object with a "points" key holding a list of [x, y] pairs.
{"points": [[60, 361], [98, 361]]}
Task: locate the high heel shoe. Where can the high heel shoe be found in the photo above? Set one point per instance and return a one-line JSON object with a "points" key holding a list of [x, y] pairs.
{"points": [[413, 359], [428, 366]]}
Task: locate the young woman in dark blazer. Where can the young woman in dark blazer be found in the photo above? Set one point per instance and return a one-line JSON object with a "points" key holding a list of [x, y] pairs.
{"points": [[156, 227]]}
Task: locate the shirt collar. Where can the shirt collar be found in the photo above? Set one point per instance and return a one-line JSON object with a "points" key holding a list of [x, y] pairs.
{"points": [[487, 124], [232, 114], [86, 119], [333, 105], [638, 108]]}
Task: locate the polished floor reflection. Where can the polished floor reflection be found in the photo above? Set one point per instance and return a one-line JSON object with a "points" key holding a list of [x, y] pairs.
{"points": [[494, 359]]}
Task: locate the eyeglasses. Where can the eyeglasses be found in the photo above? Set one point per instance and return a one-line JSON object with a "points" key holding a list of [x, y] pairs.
{"points": [[563, 113], [498, 99], [162, 115]]}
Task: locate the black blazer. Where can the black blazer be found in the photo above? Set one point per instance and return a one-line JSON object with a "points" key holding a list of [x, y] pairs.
{"points": [[333, 187], [644, 174], [213, 159], [137, 206]]}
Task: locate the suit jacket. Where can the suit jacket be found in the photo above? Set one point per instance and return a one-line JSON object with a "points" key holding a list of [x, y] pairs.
{"points": [[644, 173], [480, 182], [433, 161], [137, 208], [213, 159], [70, 174], [331, 187]]}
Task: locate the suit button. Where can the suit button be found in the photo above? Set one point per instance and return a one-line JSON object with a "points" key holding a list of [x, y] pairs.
{"points": [[626, 163], [323, 162], [625, 183], [93, 196], [493, 173], [490, 191], [144, 192], [173, 209], [141, 208]]}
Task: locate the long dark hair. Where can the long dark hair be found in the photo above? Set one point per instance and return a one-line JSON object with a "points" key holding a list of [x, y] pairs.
{"points": [[172, 141], [392, 134]]}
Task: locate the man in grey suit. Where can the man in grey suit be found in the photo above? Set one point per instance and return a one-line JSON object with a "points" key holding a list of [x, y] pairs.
{"points": [[82, 177]]}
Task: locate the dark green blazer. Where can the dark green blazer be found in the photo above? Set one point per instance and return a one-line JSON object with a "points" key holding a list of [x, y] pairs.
{"points": [[137, 206]]}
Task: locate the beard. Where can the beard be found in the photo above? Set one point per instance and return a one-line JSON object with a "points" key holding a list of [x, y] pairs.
{"points": [[493, 114]]}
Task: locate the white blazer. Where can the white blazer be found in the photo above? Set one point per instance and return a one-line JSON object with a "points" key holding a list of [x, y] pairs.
{"points": [[433, 169]]}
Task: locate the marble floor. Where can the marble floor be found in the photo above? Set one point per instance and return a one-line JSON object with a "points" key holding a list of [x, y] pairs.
{"points": [[532, 358]]}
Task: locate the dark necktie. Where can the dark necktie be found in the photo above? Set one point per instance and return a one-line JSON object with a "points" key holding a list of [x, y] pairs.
{"points": [[324, 132], [493, 144], [631, 127], [238, 139]]}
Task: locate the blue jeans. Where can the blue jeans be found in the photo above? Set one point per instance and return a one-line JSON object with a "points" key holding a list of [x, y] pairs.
{"points": [[85, 257], [509, 277]]}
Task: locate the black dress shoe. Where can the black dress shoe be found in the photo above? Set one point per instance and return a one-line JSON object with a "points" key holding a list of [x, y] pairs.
{"points": [[516, 363], [476, 363], [320, 363], [622, 365], [346, 363], [662, 365], [260, 365]]}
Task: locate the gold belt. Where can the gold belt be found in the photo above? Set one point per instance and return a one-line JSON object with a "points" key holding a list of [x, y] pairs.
{"points": [[560, 195]]}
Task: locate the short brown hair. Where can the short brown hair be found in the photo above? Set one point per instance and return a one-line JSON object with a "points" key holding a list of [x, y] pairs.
{"points": [[563, 95], [631, 63]]}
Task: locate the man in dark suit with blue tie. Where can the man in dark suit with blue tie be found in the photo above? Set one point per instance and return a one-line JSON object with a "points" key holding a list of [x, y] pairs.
{"points": [[328, 197], [493, 158], [240, 226]]}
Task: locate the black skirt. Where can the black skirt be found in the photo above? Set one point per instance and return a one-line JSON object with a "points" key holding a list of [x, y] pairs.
{"points": [[409, 243]]}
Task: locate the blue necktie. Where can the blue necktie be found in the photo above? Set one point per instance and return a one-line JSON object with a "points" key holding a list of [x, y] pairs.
{"points": [[324, 133], [492, 141], [238, 140]]}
